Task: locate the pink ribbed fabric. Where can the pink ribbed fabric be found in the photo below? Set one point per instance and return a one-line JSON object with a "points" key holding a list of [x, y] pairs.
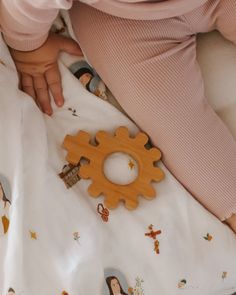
{"points": [[25, 23], [151, 68]]}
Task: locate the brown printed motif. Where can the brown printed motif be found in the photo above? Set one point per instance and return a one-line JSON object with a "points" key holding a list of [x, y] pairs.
{"points": [[153, 235], [70, 174], [104, 212]]}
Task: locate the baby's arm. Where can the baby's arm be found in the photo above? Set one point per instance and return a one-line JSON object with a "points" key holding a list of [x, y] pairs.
{"points": [[25, 25]]}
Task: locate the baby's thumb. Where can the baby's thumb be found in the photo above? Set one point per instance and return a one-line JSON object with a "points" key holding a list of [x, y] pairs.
{"points": [[70, 46]]}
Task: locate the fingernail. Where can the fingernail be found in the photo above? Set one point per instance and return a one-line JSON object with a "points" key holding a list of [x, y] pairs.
{"points": [[49, 113], [60, 103]]}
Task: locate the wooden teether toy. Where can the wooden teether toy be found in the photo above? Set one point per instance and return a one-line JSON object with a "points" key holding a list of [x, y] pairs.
{"points": [[79, 146]]}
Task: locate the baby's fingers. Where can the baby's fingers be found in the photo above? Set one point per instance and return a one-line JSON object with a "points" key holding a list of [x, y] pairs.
{"points": [[53, 78], [27, 85], [42, 95]]}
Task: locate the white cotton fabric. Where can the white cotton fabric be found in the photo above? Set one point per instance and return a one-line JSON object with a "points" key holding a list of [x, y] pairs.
{"points": [[31, 156]]}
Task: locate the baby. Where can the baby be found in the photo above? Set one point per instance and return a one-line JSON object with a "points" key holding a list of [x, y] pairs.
{"points": [[145, 52]]}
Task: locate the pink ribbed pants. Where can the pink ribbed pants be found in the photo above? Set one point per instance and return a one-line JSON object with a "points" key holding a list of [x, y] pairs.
{"points": [[151, 68]]}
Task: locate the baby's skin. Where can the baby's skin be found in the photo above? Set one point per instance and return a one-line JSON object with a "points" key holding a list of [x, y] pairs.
{"points": [[232, 222], [38, 70], [38, 73]]}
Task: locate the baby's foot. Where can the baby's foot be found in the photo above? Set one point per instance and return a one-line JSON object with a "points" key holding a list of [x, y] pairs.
{"points": [[232, 222]]}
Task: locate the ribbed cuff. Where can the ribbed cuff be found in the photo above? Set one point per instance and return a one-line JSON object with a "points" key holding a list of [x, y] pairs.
{"points": [[24, 44]]}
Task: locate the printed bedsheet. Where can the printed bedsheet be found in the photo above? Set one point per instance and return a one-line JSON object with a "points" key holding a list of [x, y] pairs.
{"points": [[61, 241]]}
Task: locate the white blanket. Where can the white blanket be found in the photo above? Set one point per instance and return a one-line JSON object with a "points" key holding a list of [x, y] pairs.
{"points": [[56, 241]]}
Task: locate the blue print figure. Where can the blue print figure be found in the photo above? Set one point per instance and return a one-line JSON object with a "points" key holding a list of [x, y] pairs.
{"points": [[89, 78], [4, 204]]}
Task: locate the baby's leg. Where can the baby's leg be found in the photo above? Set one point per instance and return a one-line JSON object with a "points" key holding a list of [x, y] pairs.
{"points": [[220, 15], [226, 24], [225, 19], [151, 68]]}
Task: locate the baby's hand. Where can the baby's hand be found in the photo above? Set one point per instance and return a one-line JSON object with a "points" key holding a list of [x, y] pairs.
{"points": [[39, 72]]}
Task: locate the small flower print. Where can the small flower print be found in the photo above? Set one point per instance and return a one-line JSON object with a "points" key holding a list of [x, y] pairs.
{"points": [[131, 291], [138, 288], [224, 275], [208, 237], [76, 236]]}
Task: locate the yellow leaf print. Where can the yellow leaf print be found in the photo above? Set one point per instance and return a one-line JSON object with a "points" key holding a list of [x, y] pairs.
{"points": [[33, 235], [5, 223], [131, 164]]}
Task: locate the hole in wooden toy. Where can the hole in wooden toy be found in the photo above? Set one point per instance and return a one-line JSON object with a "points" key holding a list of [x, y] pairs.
{"points": [[84, 160], [120, 168]]}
